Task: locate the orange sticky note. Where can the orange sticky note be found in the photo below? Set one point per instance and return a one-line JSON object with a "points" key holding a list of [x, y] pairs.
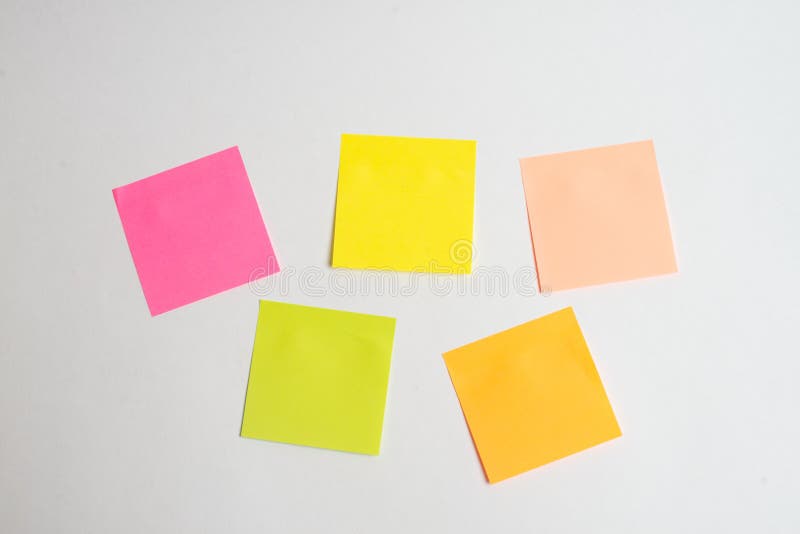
{"points": [[597, 216], [531, 395]]}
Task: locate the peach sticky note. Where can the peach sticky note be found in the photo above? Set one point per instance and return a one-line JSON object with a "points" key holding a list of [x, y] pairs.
{"points": [[195, 231], [597, 216], [531, 395], [405, 204]]}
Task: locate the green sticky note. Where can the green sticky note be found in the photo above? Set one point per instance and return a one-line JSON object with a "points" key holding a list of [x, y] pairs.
{"points": [[318, 377]]}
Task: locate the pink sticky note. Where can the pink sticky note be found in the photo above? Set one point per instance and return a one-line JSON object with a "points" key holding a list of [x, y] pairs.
{"points": [[195, 231]]}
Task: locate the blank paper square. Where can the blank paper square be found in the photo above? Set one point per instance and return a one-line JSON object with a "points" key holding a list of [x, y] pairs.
{"points": [[195, 230], [319, 377], [531, 395], [597, 216], [405, 204]]}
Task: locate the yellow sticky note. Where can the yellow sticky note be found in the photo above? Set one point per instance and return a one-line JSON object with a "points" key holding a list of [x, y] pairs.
{"points": [[531, 395], [318, 377], [405, 204]]}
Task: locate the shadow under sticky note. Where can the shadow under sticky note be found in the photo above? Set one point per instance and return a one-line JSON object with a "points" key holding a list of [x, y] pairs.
{"points": [[531, 395]]}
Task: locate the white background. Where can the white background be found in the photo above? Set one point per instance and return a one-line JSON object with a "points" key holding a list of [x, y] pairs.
{"points": [[113, 421]]}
